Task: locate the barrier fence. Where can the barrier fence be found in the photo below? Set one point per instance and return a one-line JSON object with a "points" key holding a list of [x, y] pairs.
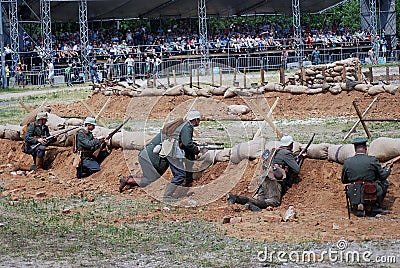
{"points": [[183, 66]]}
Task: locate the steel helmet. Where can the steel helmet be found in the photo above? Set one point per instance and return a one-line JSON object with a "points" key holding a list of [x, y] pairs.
{"points": [[286, 140], [193, 114], [90, 120]]}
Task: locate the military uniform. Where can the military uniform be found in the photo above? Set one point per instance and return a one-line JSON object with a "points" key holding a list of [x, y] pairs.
{"points": [[153, 166], [272, 189], [362, 167], [87, 145], [33, 133]]}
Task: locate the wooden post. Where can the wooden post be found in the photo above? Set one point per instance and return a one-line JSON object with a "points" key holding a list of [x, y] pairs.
{"points": [[371, 75], [220, 77], [262, 76], [134, 77], [26, 108], [387, 74], [191, 78], [358, 72], [212, 78], [168, 82], [303, 75], [198, 77], [268, 119], [234, 73], [174, 74], [154, 81], [282, 75], [244, 78], [360, 116]]}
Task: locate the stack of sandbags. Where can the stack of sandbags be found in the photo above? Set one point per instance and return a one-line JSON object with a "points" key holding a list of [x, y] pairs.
{"points": [[74, 122], [238, 109], [11, 132], [54, 122], [339, 153]]}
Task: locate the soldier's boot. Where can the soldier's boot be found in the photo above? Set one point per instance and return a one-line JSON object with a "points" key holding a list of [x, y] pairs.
{"points": [[130, 180], [252, 207], [39, 164], [237, 199], [169, 191]]}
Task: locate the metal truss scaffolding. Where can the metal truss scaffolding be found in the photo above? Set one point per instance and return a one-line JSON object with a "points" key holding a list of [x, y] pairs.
{"points": [[14, 33], [46, 27], [204, 45], [373, 26], [299, 49], [84, 32]]}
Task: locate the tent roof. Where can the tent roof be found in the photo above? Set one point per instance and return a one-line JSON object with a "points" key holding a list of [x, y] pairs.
{"points": [[67, 10]]}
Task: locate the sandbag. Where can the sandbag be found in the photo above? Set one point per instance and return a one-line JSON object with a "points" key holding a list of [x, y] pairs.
{"points": [[229, 93], [339, 153], [362, 87], [66, 139], [275, 144], [294, 89], [189, 91], [74, 122], [392, 89], [204, 92], [54, 122], [317, 151], [374, 90], [247, 150], [174, 91], [218, 91], [31, 116], [311, 91], [384, 148], [12, 132], [152, 92], [130, 140], [238, 109]]}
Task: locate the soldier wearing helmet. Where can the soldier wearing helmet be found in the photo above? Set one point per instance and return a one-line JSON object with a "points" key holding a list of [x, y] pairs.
{"points": [[37, 133], [274, 183], [86, 145]]}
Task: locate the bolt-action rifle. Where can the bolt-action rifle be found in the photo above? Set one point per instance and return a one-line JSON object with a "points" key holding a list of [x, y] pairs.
{"points": [[208, 146], [391, 162], [109, 136], [300, 157], [47, 139], [268, 157]]}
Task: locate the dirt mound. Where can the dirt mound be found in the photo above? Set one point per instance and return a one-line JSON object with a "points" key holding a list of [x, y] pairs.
{"points": [[318, 198]]}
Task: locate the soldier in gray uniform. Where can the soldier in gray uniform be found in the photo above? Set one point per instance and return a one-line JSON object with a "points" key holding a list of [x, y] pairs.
{"points": [[36, 133], [273, 188], [87, 144], [363, 167]]}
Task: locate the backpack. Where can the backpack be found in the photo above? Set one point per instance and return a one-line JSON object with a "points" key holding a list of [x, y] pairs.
{"points": [[169, 137]]}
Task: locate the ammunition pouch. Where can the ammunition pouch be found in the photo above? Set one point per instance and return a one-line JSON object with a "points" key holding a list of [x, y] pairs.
{"points": [[359, 192]]}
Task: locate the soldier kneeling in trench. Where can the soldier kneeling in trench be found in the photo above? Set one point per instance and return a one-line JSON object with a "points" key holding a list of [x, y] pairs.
{"points": [[275, 180]]}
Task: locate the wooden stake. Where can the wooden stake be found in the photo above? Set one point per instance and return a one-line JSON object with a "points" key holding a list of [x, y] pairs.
{"points": [[268, 119], [220, 77], [26, 108], [371, 75], [264, 123], [358, 121], [174, 74], [191, 78], [344, 78], [358, 72], [387, 74], [244, 78], [360, 116], [262, 75], [282, 75], [303, 75], [212, 78], [92, 113]]}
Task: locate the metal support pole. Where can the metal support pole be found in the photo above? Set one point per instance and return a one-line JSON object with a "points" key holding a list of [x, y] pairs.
{"points": [[204, 45], [373, 26], [84, 33], [46, 27], [3, 58], [298, 46], [14, 33]]}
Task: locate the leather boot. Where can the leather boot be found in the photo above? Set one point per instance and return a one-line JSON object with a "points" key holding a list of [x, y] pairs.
{"points": [[130, 180], [39, 163], [169, 191]]}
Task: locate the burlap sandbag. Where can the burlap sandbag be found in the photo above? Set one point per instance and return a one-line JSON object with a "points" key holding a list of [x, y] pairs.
{"points": [[229, 93], [270, 87], [256, 91], [375, 90], [12, 132], [174, 91], [392, 89], [384, 148], [31, 116], [204, 92], [339, 153], [2, 128], [54, 122], [336, 89], [238, 109], [189, 91], [101, 131], [74, 122], [247, 150], [362, 87], [296, 89], [317, 151], [130, 140], [152, 92], [218, 91], [275, 144], [107, 92], [311, 91]]}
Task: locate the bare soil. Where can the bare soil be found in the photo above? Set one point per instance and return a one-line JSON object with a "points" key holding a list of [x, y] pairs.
{"points": [[318, 197]]}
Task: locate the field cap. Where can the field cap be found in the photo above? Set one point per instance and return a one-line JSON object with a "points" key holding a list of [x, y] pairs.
{"points": [[286, 140], [90, 120], [41, 115], [359, 141], [193, 114]]}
